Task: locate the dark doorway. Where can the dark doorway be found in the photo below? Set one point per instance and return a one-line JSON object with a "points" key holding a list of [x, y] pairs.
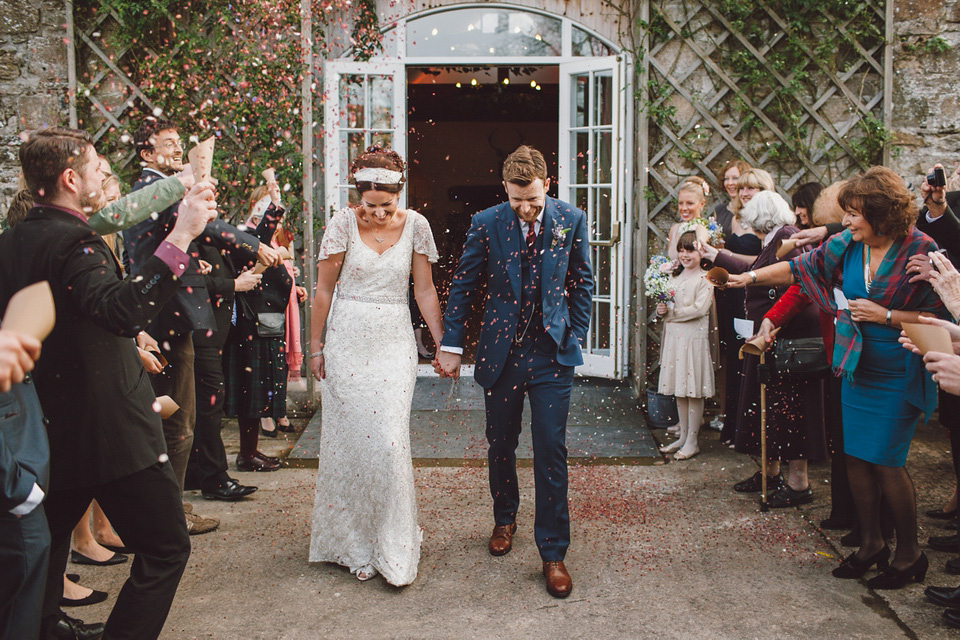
{"points": [[463, 122]]}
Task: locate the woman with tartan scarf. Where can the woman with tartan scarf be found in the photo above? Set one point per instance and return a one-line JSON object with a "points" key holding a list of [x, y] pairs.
{"points": [[860, 276]]}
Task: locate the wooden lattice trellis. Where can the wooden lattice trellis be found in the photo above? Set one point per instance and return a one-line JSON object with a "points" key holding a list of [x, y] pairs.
{"points": [[700, 113]]}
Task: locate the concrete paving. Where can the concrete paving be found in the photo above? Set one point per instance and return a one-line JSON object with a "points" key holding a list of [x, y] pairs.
{"points": [[661, 550]]}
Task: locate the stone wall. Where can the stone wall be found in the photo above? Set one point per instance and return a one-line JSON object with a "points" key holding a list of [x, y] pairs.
{"points": [[926, 95], [33, 78]]}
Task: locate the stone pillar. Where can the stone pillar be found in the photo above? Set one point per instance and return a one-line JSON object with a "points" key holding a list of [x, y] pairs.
{"points": [[926, 90], [33, 78]]}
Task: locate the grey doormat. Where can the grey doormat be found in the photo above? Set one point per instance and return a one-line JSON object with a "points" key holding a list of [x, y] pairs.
{"points": [[447, 425]]}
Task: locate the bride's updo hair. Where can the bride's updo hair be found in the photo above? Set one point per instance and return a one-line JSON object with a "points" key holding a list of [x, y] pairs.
{"points": [[376, 157]]}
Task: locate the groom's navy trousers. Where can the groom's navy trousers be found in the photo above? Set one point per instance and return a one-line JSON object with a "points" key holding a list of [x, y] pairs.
{"points": [[534, 373], [532, 370]]}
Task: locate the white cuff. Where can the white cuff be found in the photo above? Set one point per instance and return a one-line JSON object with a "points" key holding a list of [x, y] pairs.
{"points": [[456, 350], [31, 503], [932, 219]]}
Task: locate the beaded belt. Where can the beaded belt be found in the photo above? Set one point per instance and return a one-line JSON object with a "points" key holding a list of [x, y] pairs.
{"points": [[373, 299]]}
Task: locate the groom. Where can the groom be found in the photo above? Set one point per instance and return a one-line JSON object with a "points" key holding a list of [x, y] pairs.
{"points": [[533, 254]]}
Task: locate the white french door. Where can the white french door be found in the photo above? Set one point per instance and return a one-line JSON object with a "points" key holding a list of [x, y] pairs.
{"points": [[595, 171], [365, 103]]}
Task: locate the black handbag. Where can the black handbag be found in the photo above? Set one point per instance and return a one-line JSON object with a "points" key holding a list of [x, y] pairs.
{"points": [[800, 356], [271, 324]]}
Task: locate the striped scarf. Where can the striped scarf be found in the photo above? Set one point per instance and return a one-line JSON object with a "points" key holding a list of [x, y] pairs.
{"points": [[820, 270]]}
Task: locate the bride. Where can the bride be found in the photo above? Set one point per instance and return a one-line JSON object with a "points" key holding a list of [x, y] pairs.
{"points": [[365, 511]]}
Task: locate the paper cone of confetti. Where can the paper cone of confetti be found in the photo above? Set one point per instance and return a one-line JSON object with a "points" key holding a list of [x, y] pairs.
{"points": [[269, 175], [201, 159], [928, 337], [718, 276], [167, 407], [31, 311], [786, 246]]}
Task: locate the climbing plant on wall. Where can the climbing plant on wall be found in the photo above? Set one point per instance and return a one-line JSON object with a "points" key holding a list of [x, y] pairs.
{"points": [[229, 68]]}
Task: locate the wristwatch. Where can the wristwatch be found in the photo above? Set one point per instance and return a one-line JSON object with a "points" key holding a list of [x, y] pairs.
{"points": [[889, 317]]}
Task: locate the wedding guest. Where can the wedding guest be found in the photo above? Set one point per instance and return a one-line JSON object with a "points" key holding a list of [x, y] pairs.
{"points": [[293, 351], [159, 148], [795, 431], [691, 200], [105, 439], [802, 201], [742, 243], [24, 473], [723, 212], [884, 388], [938, 219], [254, 364], [686, 367], [207, 467]]}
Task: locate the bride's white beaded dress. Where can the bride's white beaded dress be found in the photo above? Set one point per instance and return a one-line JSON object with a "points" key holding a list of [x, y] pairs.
{"points": [[365, 511]]}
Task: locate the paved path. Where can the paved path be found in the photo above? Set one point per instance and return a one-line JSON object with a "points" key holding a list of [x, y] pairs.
{"points": [[659, 551]]}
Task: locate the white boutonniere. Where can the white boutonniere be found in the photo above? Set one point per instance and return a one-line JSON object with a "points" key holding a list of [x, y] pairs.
{"points": [[559, 236]]}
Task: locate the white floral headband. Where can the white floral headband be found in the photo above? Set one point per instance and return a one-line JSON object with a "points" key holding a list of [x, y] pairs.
{"points": [[377, 175]]}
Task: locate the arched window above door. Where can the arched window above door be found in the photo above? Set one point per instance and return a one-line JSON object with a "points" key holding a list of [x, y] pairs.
{"points": [[490, 33]]}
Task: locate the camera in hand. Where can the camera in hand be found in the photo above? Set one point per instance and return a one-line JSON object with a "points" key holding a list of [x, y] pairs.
{"points": [[938, 178]]}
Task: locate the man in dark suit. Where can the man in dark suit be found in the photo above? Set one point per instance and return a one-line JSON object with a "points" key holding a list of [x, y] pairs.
{"points": [[533, 254], [207, 469], [159, 148], [106, 440], [24, 469]]}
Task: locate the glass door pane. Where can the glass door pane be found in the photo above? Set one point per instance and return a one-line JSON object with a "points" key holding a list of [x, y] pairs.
{"points": [[591, 177], [368, 108]]}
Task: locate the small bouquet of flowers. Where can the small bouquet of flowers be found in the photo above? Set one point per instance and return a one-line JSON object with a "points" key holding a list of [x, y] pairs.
{"points": [[714, 232], [656, 280]]}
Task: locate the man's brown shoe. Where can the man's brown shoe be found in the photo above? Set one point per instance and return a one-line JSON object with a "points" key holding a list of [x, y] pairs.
{"points": [[501, 540], [559, 584]]}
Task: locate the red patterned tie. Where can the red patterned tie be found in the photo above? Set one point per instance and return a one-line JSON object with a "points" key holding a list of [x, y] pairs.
{"points": [[531, 237]]}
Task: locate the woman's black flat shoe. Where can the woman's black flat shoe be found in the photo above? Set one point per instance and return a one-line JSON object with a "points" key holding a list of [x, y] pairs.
{"points": [[940, 514], [892, 578], [853, 567]]}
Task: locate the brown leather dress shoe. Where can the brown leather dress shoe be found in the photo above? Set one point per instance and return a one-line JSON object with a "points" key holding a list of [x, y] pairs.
{"points": [[501, 540], [559, 584]]}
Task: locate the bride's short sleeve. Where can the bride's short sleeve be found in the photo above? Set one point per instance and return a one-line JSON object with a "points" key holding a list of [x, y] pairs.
{"points": [[336, 236], [423, 238]]}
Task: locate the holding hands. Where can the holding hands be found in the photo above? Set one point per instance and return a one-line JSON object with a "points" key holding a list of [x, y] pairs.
{"points": [[447, 364]]}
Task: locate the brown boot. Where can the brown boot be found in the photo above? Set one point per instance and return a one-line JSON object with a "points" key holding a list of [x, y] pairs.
{"points": [[501, 540]]}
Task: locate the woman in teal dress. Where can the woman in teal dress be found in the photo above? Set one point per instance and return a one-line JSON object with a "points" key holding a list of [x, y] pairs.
{"points": [[885, 389]]}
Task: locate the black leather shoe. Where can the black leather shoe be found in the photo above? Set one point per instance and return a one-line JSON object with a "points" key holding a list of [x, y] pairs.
{"points": [[753, 483], [229, 491], [940, 514], [853, 567], [944, 543], [943, 596], [891, 578], [952, 618], [68, 628], [789, 497]]}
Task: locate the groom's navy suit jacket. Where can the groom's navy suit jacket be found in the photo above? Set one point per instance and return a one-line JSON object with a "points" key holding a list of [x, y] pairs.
{"points": [[492, 253]]}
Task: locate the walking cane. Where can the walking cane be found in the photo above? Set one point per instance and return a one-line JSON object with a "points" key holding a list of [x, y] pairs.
{"points": [[757, 346]]}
